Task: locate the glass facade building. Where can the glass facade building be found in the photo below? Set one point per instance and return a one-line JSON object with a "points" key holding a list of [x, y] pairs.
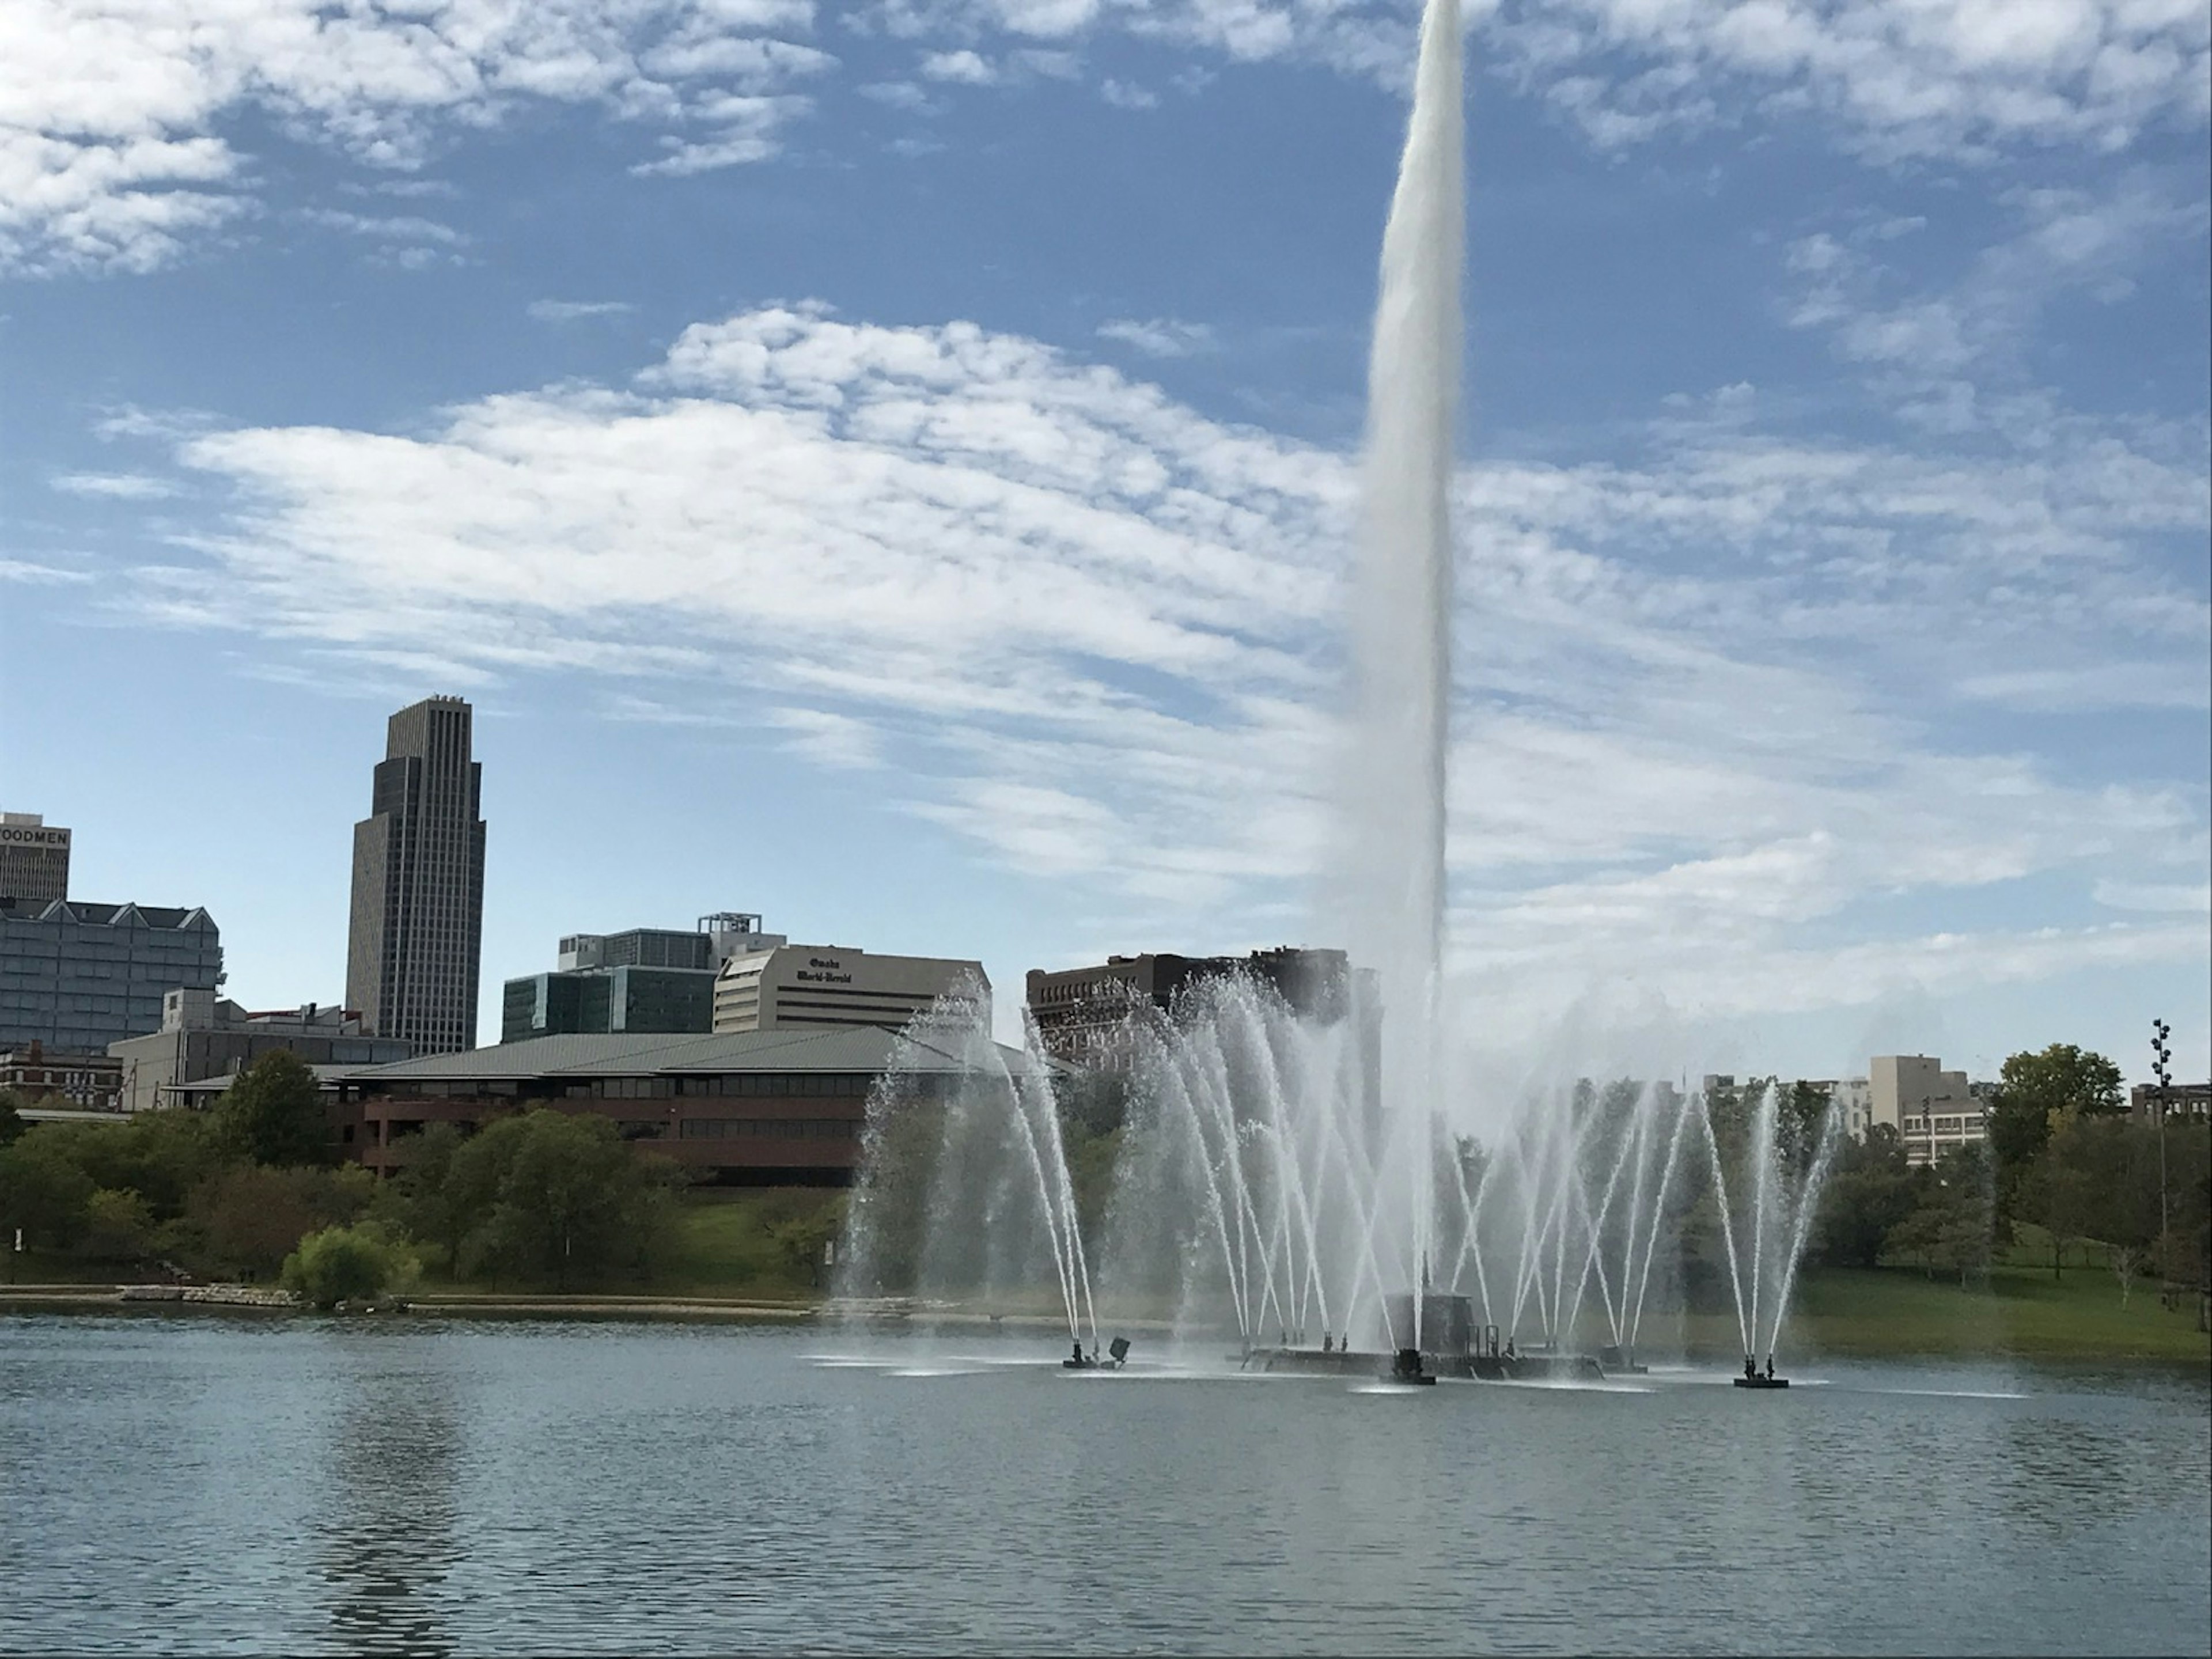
{"points": [[607, 999], [77, 977]]}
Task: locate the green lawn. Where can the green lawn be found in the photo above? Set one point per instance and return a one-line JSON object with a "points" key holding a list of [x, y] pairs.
{"points": [[727, 1243], [2019, 1311]]}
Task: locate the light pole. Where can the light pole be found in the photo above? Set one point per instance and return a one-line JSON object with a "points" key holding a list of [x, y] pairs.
{"points": [[2160, 1069]]}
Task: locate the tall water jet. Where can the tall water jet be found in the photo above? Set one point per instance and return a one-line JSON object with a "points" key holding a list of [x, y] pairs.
{"points": [[1390, 872]]}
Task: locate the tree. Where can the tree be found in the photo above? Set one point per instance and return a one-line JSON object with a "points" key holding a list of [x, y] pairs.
{"points": [[11, 1116], [248, 1218], [43, 1191], [118, 1227], [1871, 1192], [569, 1199], [347, 1264], [274, 1114], [429, 1203]]}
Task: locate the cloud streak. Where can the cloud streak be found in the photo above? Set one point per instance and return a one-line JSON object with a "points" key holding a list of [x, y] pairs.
{"points": [[1702, 698]]}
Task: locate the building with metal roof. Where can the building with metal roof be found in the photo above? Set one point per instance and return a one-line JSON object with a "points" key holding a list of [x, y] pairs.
{"points": [[748, 1107]]}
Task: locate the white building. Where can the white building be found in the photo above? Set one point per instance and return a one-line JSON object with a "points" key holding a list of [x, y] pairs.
{"points": [[1933, 1110], [1851, 1098], [795, 987]]}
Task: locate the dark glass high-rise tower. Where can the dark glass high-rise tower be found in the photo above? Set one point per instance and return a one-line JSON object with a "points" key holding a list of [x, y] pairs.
{"points": [[418, 860]]}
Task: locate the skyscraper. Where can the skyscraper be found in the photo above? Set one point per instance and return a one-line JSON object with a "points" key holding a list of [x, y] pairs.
{"points": [[34, 857], [418, 928]]}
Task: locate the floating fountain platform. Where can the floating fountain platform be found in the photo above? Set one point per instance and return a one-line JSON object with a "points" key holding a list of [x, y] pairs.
{"points": [[1762, 1381], [1617, 1360]]}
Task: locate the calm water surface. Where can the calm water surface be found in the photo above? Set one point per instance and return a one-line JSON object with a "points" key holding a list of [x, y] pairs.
{"points": [[207, 1483]]}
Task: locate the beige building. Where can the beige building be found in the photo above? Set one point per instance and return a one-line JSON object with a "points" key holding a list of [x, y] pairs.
{"points": [[1934, 1110], [34, 857], [794, 986]]}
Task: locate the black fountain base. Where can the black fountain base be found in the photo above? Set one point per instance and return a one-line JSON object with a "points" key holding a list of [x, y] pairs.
{"points": [[1483, 1367], [1762, 1381], [1620, 1361]]}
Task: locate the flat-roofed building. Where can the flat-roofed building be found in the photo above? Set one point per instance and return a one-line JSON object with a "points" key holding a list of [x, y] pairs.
{"points": [[34, 857], [751, 1107], [75, 976], [1082, 1013], [648, 979], [416, 934], [799, 986], [1934, 1111], [64, 1081], [205, 1036]]}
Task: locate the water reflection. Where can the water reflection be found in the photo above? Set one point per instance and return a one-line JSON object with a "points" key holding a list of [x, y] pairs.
{"points": [[433, 1488], [387, 1541]]}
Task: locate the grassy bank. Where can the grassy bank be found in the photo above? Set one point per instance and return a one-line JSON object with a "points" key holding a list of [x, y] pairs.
{"points": [[2019, 1311]]}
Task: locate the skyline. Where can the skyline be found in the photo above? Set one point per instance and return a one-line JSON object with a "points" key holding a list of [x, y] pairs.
{"points": [[1832, 501]]}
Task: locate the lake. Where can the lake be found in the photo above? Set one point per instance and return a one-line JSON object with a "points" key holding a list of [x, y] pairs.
{"points": [[202, 1484]]}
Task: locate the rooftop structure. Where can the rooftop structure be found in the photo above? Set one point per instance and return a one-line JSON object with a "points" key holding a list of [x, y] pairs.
{"points": [[34, 857], [76, 976], [204, 1036]]}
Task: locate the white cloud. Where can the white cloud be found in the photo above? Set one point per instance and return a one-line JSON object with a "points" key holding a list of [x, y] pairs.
{"points": [[115, 486], [569, 311], [1702, 696], [1125, 94], [965, 68], [2181, 898], [388, 228], [32, 574], [118, 117], [1159, 336], [901, 94], [114, 113]]}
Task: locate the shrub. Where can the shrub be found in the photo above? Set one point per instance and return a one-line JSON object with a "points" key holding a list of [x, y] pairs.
{"points": [[347, 1264]]}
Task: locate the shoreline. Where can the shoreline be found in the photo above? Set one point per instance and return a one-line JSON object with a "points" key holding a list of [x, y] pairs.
{"points": [[1811, 1337]]}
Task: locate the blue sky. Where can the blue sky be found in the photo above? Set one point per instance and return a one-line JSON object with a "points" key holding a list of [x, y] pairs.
{"points": [[889, 466]]}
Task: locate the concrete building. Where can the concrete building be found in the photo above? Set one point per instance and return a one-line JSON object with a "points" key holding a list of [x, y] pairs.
{"points": [[75, 977], [751, 1107], [1851, 1098], [2182, 1101], [416, 935], [205, 1036], [34, 857], [1934, 1110], [69, 1082], [1081, 1013], [795, 987], [649, 979]]}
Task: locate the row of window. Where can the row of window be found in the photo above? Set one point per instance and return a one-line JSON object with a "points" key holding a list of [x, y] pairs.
{"points": [[771, 1128]]}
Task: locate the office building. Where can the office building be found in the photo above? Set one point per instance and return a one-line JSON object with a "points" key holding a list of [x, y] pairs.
{"points": [[73, 1082], [1851, 1099], [752, 1107], [1082, 1013], [790, 987], [418, 860], [34, 858], [649, 979], [75, 976], [205, 1036], [1934, 1111], [2177, 1100]]}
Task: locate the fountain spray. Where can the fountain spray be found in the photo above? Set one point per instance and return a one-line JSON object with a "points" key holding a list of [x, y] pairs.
{"points": [[1392, 826]]}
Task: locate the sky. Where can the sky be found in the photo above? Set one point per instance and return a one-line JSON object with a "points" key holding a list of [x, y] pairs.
{"points": [[889, 466]]}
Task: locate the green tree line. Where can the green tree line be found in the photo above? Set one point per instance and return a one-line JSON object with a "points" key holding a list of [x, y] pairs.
{"points": [[253, 1189]]}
